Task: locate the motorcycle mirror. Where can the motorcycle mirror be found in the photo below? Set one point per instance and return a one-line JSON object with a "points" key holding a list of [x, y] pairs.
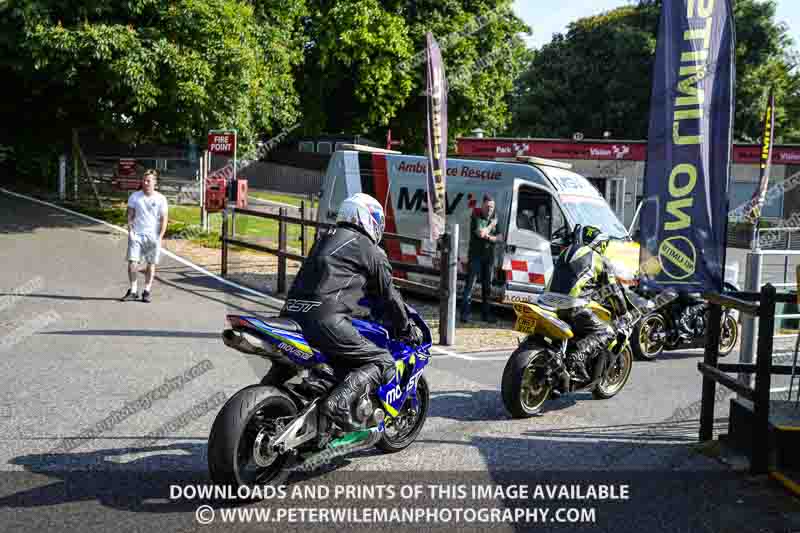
{"points": [[576, 233]]}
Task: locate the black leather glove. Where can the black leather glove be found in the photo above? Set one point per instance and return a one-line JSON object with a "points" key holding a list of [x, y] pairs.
{"points": [[411, 335], [624, 324]]}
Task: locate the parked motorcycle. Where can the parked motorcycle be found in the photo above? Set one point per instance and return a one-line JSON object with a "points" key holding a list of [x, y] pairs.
{"points": [[261, 433], [537, 367], [659, 331]]}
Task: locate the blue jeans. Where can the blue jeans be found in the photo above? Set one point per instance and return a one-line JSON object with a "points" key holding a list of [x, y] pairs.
{"points": [[477, 266]]}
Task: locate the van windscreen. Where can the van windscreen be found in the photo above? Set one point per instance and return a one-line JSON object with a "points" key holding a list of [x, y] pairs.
{"points": [[589, 211]]}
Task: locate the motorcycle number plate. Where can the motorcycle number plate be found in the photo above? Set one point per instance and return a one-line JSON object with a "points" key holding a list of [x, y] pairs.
{"points": [[525, 325]]}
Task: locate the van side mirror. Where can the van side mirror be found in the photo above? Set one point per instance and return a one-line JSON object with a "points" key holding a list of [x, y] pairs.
{"points": [[576, 233]]}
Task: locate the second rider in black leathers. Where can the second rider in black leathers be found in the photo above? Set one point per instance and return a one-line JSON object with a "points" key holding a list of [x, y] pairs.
{"points": [[579, 272]]}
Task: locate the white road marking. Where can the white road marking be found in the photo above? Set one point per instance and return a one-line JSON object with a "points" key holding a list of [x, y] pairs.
{"points": [[448, 353], [134, 456], [272, 300]]}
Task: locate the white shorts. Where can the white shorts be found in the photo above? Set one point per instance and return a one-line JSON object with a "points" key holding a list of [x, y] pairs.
{"points": [[144, 247]]}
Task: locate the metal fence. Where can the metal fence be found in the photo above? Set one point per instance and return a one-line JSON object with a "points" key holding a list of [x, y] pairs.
{"points": [[276, 177], [740, 235], [92, 169], [779, 268], [96, 165]]}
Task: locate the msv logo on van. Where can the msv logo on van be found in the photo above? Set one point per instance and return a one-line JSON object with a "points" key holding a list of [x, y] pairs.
{"points": [[419, 201]]}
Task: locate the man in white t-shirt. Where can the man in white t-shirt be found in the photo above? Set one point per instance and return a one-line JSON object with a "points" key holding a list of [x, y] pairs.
{"points": [[147, 222]]}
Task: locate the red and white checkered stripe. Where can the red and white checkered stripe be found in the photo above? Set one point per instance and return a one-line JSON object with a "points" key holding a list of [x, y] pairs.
{"points": [[523, 271], [409, 253]]}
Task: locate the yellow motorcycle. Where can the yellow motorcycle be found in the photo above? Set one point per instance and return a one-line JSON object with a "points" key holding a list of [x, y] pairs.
{"points": [[537, 367]]}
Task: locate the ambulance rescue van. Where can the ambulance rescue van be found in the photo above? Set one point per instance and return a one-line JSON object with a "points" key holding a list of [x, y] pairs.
{"points": [[538, 203]]}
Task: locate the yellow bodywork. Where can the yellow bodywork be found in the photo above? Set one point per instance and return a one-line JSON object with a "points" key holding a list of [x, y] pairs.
{"points": [[533, 319], [601, 312]]}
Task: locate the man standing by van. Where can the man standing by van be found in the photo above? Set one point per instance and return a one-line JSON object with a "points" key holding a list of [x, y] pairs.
{"points": [[147, 222], [482, 237]]}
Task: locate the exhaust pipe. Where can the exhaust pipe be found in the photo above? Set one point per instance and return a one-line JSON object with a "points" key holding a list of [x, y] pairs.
{"points": [[237, 341]]}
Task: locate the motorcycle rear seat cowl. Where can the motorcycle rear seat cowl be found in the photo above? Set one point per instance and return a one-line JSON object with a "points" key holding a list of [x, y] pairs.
{"points": [[559, 302], [285, 324]]}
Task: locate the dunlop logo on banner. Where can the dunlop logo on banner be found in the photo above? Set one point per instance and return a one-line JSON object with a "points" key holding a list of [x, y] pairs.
{"points": [[684, 216]]}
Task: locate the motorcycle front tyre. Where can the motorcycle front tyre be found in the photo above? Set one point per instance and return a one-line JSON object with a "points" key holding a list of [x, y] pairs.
{"points": [[522, 390]]}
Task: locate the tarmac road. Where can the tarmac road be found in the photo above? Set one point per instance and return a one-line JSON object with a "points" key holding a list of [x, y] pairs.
{"points": [[71, 355]]}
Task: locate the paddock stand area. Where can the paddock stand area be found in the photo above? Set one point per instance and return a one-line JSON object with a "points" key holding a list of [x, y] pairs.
{"points": [[764, 429]]}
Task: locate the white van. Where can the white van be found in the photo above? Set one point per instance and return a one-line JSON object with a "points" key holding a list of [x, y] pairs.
{"points": [[538, 203]]}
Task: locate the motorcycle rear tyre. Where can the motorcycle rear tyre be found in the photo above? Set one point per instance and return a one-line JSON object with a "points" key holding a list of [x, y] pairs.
{"points": [[652, 320], [734, 325], [227, 438]]}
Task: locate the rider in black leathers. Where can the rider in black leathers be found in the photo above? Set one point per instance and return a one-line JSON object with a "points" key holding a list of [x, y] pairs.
{"points": [[582, 271], [345, 265]]}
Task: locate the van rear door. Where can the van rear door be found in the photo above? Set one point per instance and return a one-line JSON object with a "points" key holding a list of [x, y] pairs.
{"points": [[535, 220], [342, 179]]}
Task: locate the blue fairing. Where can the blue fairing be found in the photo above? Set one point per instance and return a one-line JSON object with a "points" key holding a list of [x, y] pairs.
{"points": [[295, 347], [404, 384], [410, 360], [372, 332]]}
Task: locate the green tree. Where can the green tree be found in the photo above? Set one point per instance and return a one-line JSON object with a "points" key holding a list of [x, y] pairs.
{"points": [[350, 80], [365, 65], [598, 76], [145, 70]]}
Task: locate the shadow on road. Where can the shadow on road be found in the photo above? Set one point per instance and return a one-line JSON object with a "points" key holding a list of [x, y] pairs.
{"points": [[140, 484], [193, 284], [677, 431], [671, 487], [134, 479], [29, 217]]}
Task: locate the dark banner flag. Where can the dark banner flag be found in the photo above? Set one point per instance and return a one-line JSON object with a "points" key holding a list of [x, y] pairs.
{"points": [[767, 141], [684, 216], [437, 138]]}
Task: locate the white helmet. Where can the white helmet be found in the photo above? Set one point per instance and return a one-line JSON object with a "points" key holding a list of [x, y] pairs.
{"points": [[364, 211]]}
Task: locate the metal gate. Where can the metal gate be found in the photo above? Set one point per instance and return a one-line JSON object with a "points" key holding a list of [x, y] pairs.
{"points": [[768, 263]]}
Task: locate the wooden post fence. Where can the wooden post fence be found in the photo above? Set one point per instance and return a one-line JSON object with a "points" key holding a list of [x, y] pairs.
{"points": [[447, 271], [282, 248]]}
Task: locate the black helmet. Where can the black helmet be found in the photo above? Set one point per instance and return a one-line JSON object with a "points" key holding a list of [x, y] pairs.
{"points": [[594, 237]]}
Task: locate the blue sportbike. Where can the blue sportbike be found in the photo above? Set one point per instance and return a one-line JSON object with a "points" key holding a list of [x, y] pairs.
{"points": [[266, 431]]}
